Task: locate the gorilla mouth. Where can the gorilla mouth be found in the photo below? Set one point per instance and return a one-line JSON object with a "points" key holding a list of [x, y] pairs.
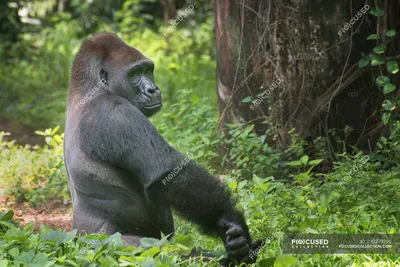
{"points": [[152, 106]]}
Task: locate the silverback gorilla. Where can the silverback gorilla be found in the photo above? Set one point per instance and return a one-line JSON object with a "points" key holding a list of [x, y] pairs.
{"points": [[117, 163]]}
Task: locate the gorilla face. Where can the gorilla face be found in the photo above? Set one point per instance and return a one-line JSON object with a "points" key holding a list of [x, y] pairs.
{"points": [[137, 85], [141, 80]]}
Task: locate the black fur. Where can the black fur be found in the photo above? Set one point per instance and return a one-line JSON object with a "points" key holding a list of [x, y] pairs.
{"points": [[119, 167]]}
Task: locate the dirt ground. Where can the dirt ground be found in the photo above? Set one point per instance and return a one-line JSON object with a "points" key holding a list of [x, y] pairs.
{"points": [[55, 214]]}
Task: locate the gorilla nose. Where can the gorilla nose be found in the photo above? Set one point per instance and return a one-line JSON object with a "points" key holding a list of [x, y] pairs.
{"points": [[151, 91]]}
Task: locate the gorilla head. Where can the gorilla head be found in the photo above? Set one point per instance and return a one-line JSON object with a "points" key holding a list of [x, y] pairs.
{"points": [[128, 73]]}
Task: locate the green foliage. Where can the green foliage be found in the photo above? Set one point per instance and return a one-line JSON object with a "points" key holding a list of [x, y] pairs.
{"points": [[190, 126], [34, 173], [359, 196], [37, 83], [377, 58], [247, 153]]}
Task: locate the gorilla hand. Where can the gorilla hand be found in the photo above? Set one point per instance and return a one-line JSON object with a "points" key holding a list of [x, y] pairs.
{"points": [[238, 244]]}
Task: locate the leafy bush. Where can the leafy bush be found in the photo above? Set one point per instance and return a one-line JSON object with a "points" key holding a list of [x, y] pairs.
{"points": [[34, 173]]}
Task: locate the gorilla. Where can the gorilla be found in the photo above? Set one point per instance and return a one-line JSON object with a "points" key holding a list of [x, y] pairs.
{"points": [[123, 176]]}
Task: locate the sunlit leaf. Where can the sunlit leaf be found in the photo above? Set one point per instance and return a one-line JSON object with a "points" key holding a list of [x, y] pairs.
{"points": [[284, 261], [377, 62], [389, 104], [380, 49], [382, 80], [392, 67], [389, 88], [247, 99], [373, 37], [304, 160]]}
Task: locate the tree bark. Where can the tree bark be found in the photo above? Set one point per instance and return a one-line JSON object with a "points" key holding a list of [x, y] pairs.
{"points": [[304, 45]]}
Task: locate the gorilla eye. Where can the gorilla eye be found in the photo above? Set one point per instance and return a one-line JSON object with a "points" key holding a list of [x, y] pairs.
{"points": [[104, 75], [148, 70]]}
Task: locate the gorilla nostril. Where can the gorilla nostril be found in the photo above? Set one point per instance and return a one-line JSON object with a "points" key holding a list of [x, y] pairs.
{"points": [[150, 91]]}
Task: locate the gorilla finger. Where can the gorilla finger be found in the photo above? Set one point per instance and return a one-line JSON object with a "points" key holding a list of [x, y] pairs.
{"points": [[240, 253], [235, 231], [237, 243]]}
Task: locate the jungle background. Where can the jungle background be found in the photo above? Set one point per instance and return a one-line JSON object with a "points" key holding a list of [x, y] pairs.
{"points": [[286, 102]]}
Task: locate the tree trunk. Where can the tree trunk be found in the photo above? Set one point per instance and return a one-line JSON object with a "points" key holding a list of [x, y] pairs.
{"points": [[169, 7], [301, 44]]}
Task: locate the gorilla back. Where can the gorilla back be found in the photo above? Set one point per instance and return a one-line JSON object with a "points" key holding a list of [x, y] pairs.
{"points": [[117, 163]]}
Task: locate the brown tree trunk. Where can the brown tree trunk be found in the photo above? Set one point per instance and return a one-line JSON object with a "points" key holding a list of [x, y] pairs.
{"points": [[169, 8], [299, 43]]}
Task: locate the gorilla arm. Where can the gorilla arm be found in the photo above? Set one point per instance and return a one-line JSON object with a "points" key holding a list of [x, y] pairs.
{"points": [[126, 138]]}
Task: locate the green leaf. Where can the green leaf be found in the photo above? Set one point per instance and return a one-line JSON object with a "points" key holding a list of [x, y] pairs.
{"points": [[382, 80], [32, 259], [108, 261], [185, 240], [233, 185], [377, 12], [55, 235], [267, 262], [373, 37], [311, 231], [242, 184], [392, 67], [3, 263], [7, 216], [389, 88], [379, 49], [304, 160], [385, 118], [151, 252], [148, 242], [391, 33], [14, 252], [315, 161], [40, 133], [55, 130], [363, 62], [294, 163], [389, 104], [284, 261], [247, 99], [377, 62]]}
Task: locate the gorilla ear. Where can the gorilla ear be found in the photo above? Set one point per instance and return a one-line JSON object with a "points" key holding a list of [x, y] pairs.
{"points": [[104, 76]]}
